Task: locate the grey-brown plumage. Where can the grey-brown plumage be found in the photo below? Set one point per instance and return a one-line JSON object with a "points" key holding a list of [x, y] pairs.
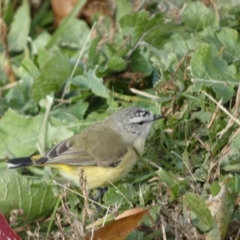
{"points": [[105, 150]]}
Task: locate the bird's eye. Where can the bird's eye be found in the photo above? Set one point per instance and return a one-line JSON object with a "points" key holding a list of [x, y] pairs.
{"points": [[141, 123]]}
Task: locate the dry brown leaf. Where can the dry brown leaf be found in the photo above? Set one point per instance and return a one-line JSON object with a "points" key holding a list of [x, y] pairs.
{"points": [[62, 8], [6, 66], [104, 7], [219, 209], [120, 228]]}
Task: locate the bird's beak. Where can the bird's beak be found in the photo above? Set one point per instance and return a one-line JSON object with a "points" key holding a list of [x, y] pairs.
{"points": [[155, 117]]}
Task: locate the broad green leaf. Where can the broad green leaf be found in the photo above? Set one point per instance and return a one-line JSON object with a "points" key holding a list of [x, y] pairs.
{"points": [[91, 81], [123, 7], [52, 77], [17, 37], [41, 41], [65, 24], [178, 45], [225, 40], [215, 188], [119, 195], [199, 207], [30, 67], [116, 64], [165, 177], [19, 134], [209, 70], [214, 234], [78, 110], [35, 198], [139, 24], [75, 32], [43, 57], [19, 97], [154, 213], [197, 16], [93, 58], [140, 62], [229, 39]]}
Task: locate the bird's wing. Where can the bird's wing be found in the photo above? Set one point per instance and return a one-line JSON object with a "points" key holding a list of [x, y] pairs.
{"points": [[96, 149]]}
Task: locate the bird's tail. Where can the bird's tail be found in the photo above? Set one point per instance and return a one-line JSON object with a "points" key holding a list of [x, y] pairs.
{"points": [[19, 162]]}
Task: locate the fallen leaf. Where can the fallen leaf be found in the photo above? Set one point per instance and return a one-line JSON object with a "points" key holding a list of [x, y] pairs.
{"points": [[61, 8], [120, 228], [6, 233], [219, 209]]}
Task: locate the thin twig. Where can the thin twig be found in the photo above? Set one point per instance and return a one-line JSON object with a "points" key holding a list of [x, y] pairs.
{"points": [[77, 193], [139, 41], [133, 90], [222, 108], [78, 60], [10, 85], [186, 166], [235, 113], [43, 127]]}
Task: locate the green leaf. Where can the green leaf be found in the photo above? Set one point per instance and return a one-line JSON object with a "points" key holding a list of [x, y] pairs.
{"points": [[15, 140], [197, 16], [30, 67], [116, 64], [199, 207], [123, 7], [35, 198], [78, 110], [154, 213], [43, 57], [119, 195], [165, 177], [214, 234], [225, 40], [17, 37], [139, 24], [75, 32], [140, 62], [52, 77], [65, 24], [93, 58], [91, 81], [228, 38], [19, 134], [209, 70], [19, 97], [41, 41], [215, 188]]}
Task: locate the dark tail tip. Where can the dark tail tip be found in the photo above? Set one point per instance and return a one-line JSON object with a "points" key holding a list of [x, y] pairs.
{"points": [[19, 162]]}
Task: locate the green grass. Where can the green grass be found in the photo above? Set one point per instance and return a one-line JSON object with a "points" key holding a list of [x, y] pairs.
{"points": [[176, 58]]}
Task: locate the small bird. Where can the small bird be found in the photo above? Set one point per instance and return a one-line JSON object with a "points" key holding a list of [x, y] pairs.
{"points": [[106, 151]]}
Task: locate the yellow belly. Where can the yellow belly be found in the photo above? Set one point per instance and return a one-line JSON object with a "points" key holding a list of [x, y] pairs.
{"points": [[98, 176]]}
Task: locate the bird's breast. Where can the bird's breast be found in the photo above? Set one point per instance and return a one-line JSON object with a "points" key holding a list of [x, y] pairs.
{"points": [[139, 145]]}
